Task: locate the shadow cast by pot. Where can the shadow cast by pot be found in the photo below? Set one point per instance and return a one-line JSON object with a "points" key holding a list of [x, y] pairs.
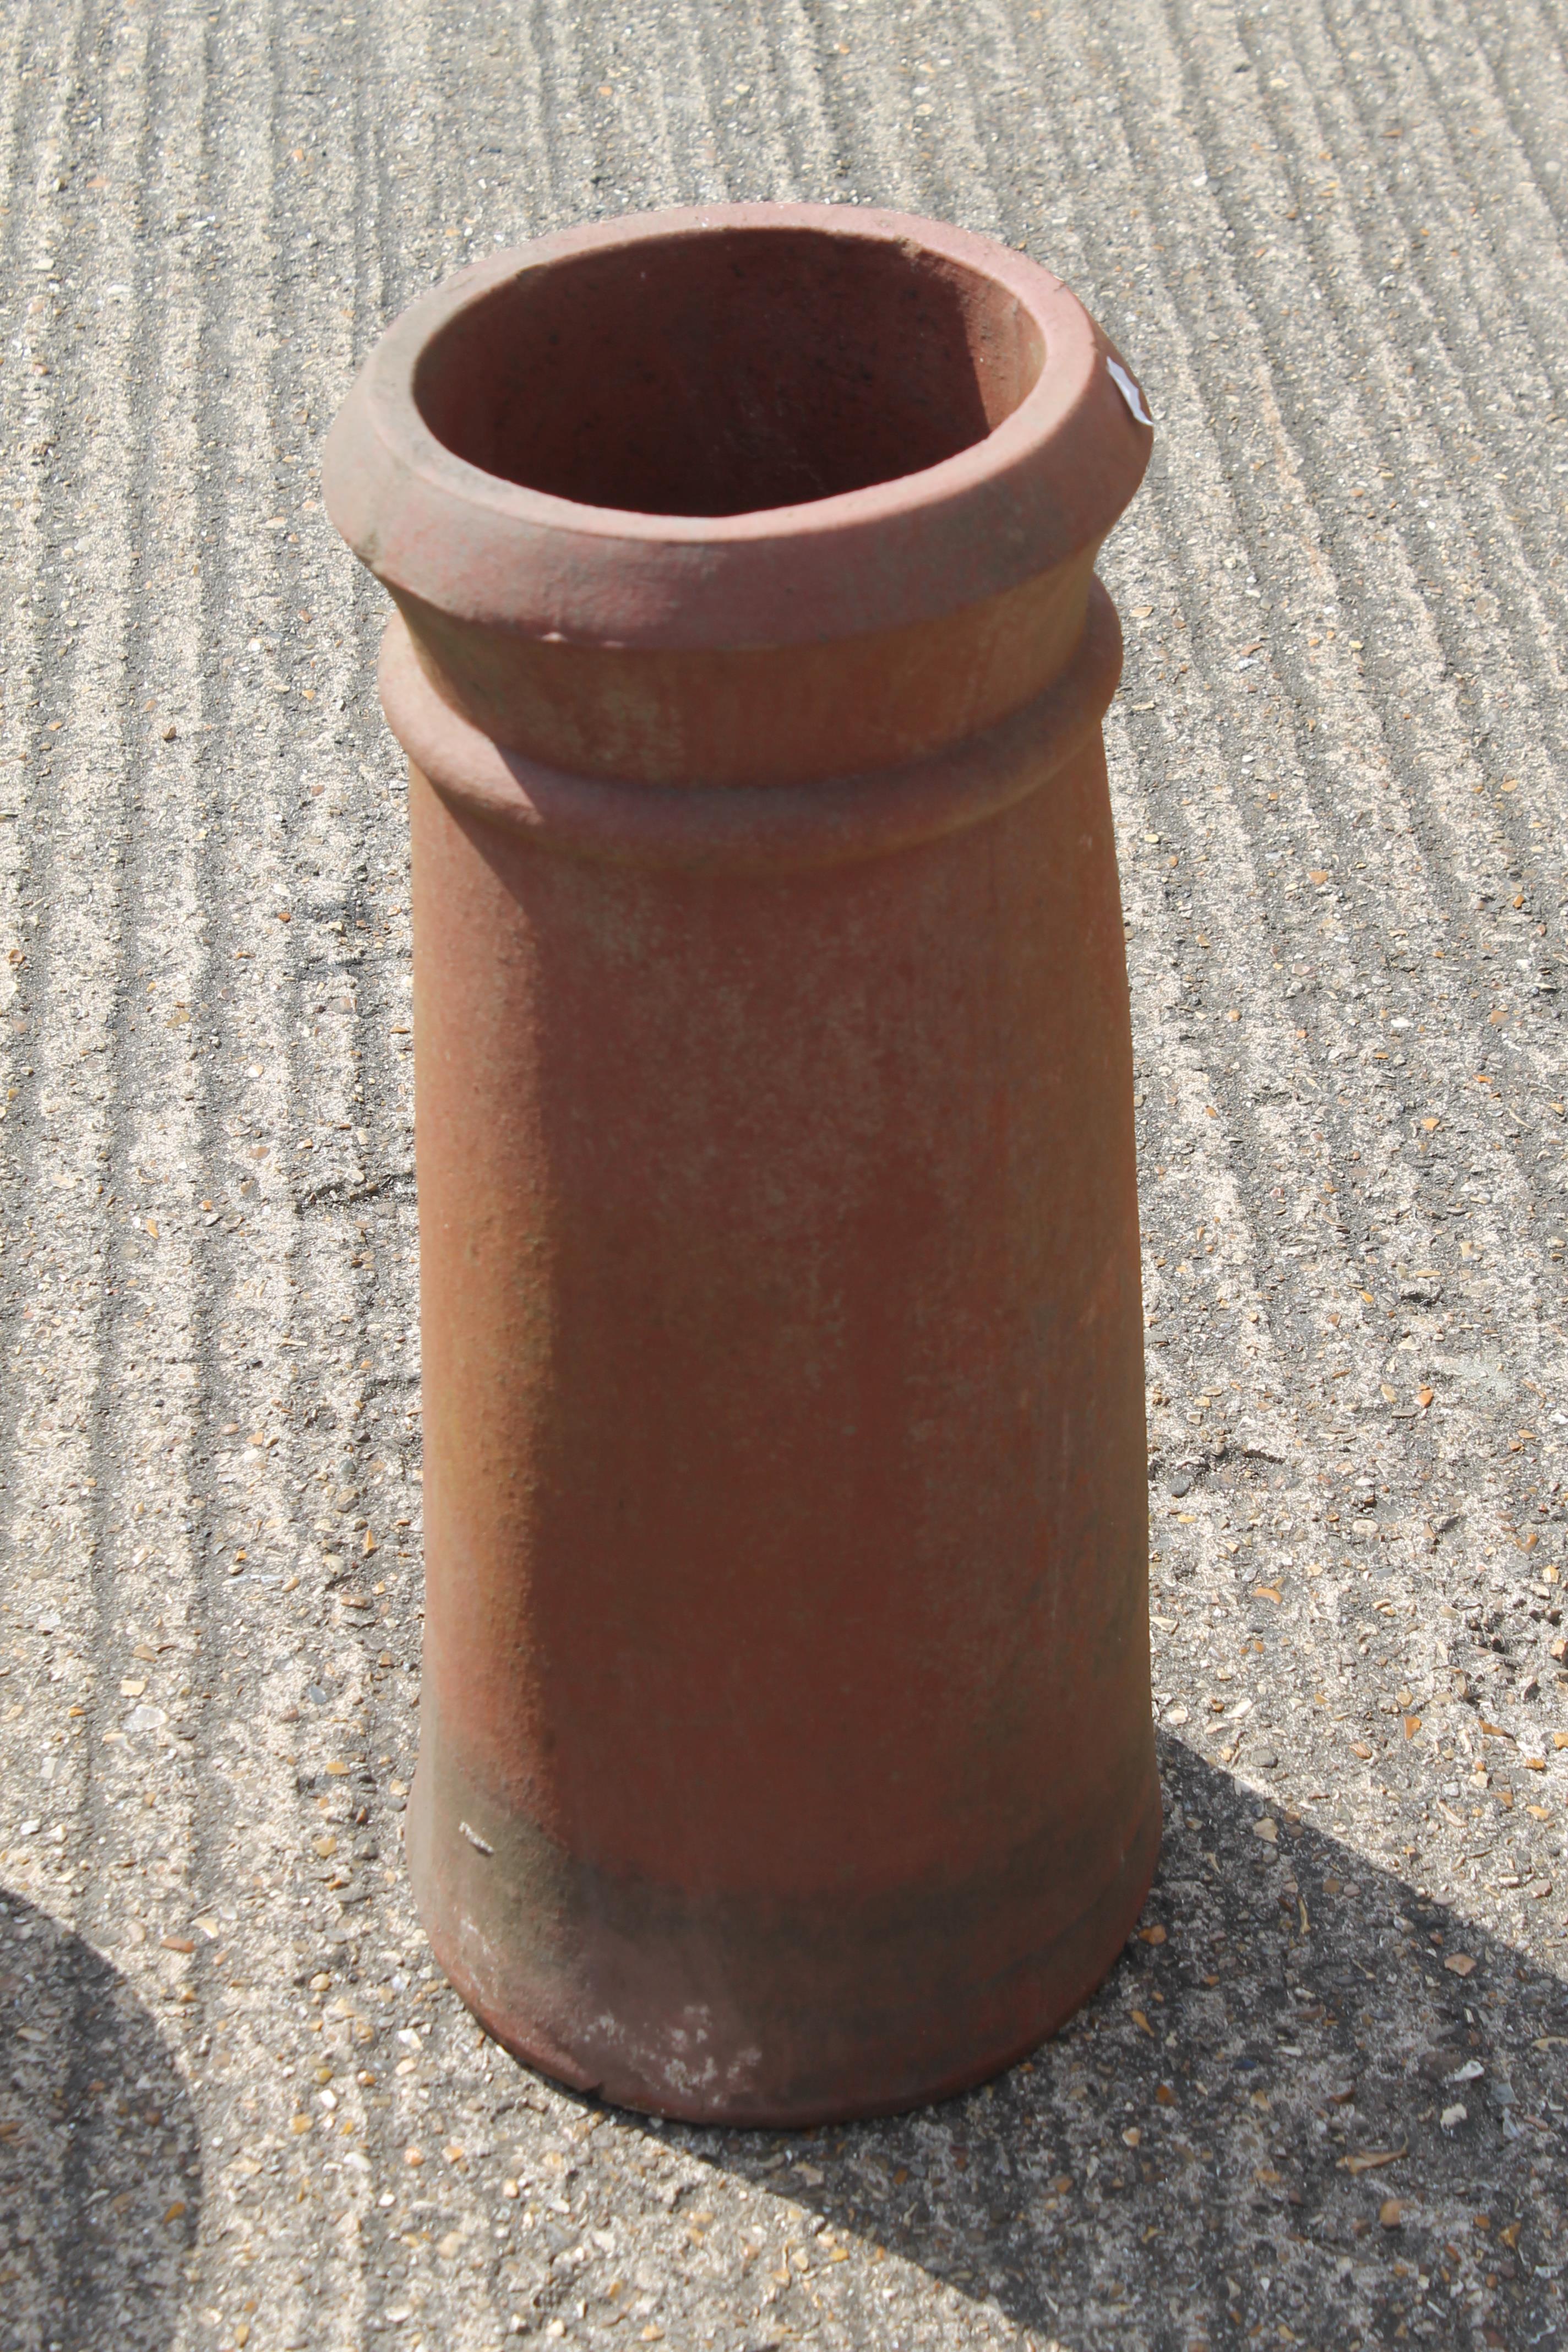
{"points": [[100, 2153], [1293, 2107]]}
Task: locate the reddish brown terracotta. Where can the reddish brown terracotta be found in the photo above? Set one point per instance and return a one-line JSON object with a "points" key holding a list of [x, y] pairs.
{"points": [[787, 1748]]}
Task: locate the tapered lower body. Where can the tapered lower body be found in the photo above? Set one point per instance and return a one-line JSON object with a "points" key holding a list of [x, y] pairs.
{"points": [[786, 1748]]}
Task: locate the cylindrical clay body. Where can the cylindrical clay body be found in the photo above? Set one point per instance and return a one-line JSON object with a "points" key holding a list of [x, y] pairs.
{"points": [[785, 1741]]}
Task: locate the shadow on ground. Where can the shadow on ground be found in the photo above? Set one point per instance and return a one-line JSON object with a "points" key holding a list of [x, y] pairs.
{"points": [[1308, 2107], [100, 2155]]}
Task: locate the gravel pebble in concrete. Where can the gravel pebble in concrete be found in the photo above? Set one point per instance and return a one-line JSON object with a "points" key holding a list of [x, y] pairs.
{"points": [[1323, 2099]]}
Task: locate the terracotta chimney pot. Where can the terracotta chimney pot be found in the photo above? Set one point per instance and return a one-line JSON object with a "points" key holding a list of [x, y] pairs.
{"points": [[785, 1738]]}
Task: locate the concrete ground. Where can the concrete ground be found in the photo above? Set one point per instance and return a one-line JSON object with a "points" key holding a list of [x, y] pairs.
{"points": [[1323, 2099]]}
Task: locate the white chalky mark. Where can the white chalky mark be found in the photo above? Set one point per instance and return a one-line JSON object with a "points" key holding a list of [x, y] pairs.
{"points": [[480, 1845], [1128, 391]]}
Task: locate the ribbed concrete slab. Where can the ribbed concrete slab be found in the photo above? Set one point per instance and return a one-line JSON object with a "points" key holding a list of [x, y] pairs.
{"points": [[1323, 2099]]}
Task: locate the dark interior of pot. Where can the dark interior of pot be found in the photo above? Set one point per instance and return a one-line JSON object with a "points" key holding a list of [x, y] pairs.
{"points": [[728, 370]]}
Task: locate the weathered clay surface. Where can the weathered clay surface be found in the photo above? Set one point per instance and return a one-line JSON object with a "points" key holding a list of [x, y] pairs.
{"points": [[786, 1752], [1330, 242]]}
